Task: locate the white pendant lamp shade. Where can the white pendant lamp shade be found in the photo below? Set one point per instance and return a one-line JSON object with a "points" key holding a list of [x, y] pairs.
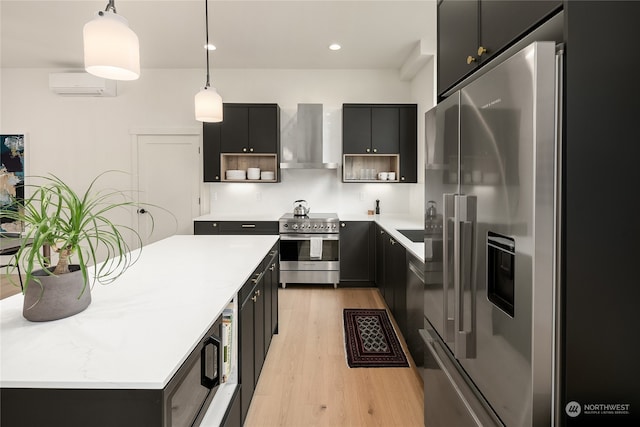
{"points": [[111, 48], [208, 105]]}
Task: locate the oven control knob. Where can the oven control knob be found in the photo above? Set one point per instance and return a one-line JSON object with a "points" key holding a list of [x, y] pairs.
{"points": [[295, 226], [286, 225], [315, 225], [321, 226]]}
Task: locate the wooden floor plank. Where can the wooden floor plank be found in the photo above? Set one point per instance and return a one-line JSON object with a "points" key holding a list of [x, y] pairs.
{"points": [[306, 381]]}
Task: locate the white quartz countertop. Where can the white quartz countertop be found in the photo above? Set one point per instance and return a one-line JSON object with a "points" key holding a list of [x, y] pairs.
{"points": [[138, 330], [391, 223]]}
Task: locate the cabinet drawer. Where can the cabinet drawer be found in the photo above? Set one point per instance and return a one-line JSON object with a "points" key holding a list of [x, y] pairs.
{"points": [[248, 227], [206, 227]]}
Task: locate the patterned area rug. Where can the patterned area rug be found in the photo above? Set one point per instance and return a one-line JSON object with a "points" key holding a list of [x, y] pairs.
{"points": [[370, 340]]}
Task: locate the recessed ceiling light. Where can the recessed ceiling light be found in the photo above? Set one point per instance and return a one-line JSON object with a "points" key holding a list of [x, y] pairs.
{"points": [[209, 46], [335, 46]]}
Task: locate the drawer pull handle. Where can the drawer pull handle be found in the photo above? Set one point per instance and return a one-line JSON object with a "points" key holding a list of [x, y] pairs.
{"points": [[248, 226]]}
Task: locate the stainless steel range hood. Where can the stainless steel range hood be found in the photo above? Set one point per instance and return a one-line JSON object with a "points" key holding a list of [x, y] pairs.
{"points": [[301, 140]]}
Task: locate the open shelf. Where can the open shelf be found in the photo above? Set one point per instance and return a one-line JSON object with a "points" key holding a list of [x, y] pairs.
{"points": [[234, 161], [365, 167]]}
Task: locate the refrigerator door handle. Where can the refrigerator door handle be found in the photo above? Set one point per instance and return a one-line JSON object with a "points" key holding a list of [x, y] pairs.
{"points": [[464, 276], [448, 219]]}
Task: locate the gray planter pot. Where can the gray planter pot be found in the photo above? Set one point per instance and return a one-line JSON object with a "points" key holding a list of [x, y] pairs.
{"points": [[61, 297]]}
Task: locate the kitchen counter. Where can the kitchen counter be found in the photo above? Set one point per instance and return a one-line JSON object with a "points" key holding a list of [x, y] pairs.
{"points": [[138, 330], [391, 224]]}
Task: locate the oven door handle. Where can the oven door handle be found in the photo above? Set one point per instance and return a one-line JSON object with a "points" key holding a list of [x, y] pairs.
{"points": [[309, 236]]}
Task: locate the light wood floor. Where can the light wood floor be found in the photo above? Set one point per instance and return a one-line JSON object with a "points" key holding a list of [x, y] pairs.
{"points": [[305, 380], [9, 285]]}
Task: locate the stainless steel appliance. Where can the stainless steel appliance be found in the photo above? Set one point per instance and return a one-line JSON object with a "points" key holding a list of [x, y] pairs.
{"points": [[490, 264], [309, 249]]}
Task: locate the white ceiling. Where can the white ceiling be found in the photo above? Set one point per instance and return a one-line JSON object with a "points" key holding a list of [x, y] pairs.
{"points": [[248, 34]]}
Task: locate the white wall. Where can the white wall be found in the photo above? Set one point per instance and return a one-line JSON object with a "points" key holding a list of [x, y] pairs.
{"points": [[76, 137]]}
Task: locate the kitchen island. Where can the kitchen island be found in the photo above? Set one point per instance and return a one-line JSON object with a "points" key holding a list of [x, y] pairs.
{"points": [[139, 330]]}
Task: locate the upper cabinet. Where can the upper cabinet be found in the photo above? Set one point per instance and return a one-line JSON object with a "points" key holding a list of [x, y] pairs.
{"points": [[471, 32], [379, 138], [248, 137]]}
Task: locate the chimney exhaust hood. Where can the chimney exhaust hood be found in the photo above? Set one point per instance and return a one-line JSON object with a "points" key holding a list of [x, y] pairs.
{"points": [[301, 144]]}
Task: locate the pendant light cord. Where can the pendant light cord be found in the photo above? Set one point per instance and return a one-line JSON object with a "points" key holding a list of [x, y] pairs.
{"points": [[111, 6], [206, 20]]}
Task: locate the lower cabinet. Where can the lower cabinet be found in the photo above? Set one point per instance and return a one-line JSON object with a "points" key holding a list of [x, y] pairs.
{"points": [[258, 311], [357, 252], [235, 227], [395, 280]]}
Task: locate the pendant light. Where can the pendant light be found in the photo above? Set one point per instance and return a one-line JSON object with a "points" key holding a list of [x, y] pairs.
{"points": [[208, 102], [111, 48]]}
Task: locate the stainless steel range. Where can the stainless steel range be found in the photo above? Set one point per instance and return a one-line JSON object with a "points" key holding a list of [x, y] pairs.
{"points": [[309, 248]]}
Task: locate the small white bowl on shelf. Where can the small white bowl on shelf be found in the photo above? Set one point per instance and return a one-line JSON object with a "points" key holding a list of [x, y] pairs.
{"points": [[267, 175], [236, 174]]}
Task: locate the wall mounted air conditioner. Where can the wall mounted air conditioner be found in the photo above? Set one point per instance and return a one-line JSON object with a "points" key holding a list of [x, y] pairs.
{"points": [[81, 84]]}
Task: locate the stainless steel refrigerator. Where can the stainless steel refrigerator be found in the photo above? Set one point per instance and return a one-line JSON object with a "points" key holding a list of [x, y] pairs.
{"points": [[490, 246]]}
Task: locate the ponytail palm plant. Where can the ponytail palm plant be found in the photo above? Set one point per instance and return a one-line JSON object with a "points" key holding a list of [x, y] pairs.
{"points": [[77, 227]]}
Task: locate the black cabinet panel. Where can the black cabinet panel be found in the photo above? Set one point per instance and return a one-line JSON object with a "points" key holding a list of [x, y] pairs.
{"points": [[356, 251], [396, 281], [235, 129], [408, 143], [457, 39], [385, 130], [206, 227], [246, 351], [480, 29], [496, 31], [356, 129], [380, 237], [369, 129], [248, 227], [211, 151], [264, 129], [246, 129]]}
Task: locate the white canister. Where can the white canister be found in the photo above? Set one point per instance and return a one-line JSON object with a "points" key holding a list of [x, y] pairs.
{"points": [[391, 176], [383, 176]]}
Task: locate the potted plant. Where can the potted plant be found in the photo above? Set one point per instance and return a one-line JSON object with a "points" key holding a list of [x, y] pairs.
{"points": [[75, 226]]}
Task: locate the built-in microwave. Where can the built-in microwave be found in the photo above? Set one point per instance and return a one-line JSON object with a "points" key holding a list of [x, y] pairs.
{"points": [[190, 391]]}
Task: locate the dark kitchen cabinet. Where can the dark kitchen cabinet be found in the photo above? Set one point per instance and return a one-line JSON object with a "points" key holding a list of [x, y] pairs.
{"points": [[249, 130], [372, 134], [235, 227], [380, 238], [408, 116], [395, 279], [357, 253], [471, 32], [370, 129], [256, 316]]}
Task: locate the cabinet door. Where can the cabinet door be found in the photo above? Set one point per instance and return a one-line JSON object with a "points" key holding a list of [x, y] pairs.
{"points": [[396, 280], [457, 39], [275, 280], [248, 227], [496, 32], [246, 354], [268, 307], [205, 227], [379, 269], [235, 129], [258, 328], [385, 130], [356, 254], [264, 129], [211, 151], [356, 129], [409, 144]]}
